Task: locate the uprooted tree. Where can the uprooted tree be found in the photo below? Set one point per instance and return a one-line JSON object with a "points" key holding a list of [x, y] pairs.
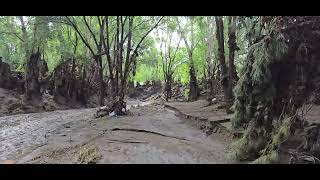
{"points": [[10, 79], [72, 84], [35, 77], [281, 72]]}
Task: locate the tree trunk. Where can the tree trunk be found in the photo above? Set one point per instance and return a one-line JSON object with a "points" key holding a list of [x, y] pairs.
{"points": [[232, 49], [168, 86], [4, 74], [210, 66], [194, 88], [128, 61], [25, 42], [228, 96], [102, 91]]}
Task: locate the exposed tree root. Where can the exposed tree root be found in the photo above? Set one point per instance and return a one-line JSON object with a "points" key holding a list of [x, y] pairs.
{"points": [[146, 131], [125, 141]]}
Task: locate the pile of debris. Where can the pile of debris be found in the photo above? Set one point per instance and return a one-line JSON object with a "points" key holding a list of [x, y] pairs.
{"points": [[178, 92], [115, 107]]}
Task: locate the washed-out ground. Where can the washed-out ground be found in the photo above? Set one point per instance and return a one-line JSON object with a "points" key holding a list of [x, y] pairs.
{"points": [[149, 134]]}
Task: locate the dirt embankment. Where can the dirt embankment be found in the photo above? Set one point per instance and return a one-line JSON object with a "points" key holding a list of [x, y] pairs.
{"points": [[12, 103]]}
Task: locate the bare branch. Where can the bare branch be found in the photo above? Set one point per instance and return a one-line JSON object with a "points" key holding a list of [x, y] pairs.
{"points": [[90, 30], [146, 34], [73, 24]]}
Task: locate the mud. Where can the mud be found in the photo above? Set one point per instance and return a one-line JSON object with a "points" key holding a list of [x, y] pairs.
{"points": [[64, 136]]}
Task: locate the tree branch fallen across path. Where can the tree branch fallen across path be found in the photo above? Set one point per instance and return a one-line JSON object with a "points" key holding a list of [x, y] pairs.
{"points": [[145, 131]]}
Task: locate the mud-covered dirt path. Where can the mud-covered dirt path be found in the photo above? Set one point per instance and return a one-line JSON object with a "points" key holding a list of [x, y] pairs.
{"points": [[150, 134]]}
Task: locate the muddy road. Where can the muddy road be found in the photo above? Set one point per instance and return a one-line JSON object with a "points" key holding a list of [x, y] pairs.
{"points": [[150, 134]]}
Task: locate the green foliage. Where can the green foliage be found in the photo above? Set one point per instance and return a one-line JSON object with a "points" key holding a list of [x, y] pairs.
{"points": [[145, 73], [255, 83], [182, 73], [270, 153], [239, 149], [57, 41], [10, 44], [254, 93]]}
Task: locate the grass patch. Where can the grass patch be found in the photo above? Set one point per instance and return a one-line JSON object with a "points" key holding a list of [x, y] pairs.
{"points": [[88, 155]]}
